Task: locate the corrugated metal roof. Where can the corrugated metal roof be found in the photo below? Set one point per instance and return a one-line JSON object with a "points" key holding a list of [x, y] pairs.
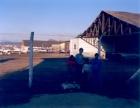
{"points": [[131, 18]]}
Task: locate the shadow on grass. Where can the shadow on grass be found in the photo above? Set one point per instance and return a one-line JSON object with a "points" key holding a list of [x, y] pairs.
{"points": [[48, 77]]}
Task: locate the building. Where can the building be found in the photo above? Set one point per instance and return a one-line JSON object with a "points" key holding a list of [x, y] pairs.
{"points": [[117, 32], [38, 46], [46, 46], [61, 47]]}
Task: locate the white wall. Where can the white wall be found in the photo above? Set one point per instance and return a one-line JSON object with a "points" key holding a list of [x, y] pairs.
{"points": [[55, 47], [62, 46], [74, 42], [89, 50]]}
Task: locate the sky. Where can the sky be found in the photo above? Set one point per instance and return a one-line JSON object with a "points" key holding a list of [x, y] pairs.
{"points": [[54, 19]]}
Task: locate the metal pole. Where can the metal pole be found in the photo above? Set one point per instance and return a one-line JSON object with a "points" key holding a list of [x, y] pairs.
{"points": [[99, 46], [31, 59]]}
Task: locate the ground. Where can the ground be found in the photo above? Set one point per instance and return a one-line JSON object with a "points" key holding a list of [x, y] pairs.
{"points": [[17, 62], [50, 71], [77, 100]]}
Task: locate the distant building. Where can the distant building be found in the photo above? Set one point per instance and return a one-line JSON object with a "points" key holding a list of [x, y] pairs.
{"points": [[7, 48], [55, 47], [61, 47], [46, 46], [37, 45]]}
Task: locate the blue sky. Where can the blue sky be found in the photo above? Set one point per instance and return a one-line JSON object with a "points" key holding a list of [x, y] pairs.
{"points": [[51, 18]]}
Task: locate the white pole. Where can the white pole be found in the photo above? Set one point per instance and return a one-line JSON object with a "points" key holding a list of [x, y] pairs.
{"points": [[99, 46], [31, 59]]}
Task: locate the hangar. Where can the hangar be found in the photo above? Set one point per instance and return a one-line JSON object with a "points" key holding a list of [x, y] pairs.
{"points": [[118, 32]]}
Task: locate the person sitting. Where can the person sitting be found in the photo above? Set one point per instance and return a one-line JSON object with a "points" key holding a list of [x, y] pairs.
{"points": [[71, 60], [71, 67]]}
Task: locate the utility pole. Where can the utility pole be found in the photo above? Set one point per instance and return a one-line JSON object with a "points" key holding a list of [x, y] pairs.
{"points": [[31, 59]]}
